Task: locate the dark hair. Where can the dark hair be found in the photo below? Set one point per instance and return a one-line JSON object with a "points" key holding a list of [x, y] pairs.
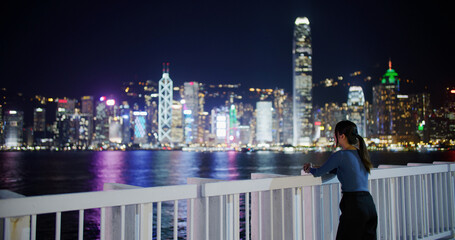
{"points": [[349, 129]]}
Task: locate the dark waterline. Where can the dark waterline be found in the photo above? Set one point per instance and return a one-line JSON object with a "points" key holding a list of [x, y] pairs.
{"points": [[42, 173]]}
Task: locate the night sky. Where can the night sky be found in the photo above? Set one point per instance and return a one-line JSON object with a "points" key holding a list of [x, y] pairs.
{"points": [[75, 48]]}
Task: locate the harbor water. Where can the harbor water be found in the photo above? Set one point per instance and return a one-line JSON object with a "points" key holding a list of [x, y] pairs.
{"points": [[43, 173]]}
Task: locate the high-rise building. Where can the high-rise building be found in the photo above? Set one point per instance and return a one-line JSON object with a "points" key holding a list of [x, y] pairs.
{"points": [[87, 105], [165, 88], [126, 116], [65, 108], [106, 110], [287, 127], [356, 108], [385, 106], [39, 124], [140, 127], [302, 83], [450, 111], [220, 125], [191, 111], [264, 113], [14, 121], [177, 135]]}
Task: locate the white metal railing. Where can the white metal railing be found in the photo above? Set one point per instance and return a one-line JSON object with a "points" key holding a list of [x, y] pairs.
{"points": [[413, 202]]}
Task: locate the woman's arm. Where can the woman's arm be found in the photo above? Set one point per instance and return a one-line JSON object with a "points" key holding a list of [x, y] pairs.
{"points": [[331, 164]]}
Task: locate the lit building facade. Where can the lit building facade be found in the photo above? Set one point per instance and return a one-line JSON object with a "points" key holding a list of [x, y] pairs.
{"points": [[264, 113], [302, 83], [14, 121], [165, 91], [39, 125], [177, 134], [191, 111], [356, 108], [220, 125], [87, 105], [385, 106], [140, 127]]}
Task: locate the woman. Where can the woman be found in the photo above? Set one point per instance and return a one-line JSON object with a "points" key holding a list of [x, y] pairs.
{"points": [[352, 165]]}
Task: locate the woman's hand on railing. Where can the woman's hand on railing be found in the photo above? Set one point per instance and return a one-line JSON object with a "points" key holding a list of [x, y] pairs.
{"points": [[306, 167]]}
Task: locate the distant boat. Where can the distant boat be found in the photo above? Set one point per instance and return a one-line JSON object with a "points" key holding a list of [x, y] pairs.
{"points": [[247, 149]]}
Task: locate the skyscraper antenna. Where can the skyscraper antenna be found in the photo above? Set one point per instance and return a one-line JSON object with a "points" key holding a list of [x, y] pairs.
{"points": [[390, 64], [167, 67], [164, 67]]}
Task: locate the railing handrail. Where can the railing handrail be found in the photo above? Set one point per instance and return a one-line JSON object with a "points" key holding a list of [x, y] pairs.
{"points": [[256, 185], [76, 201], [410, 171]]}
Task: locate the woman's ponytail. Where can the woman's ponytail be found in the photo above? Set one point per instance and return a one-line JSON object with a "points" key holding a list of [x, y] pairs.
{"points": [[363, 153]]}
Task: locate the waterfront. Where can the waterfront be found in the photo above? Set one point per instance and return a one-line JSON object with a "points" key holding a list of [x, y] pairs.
{"points": [[40, 173]]}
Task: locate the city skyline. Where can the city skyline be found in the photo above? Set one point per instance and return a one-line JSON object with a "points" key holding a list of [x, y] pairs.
{"points": [[90, 49]]}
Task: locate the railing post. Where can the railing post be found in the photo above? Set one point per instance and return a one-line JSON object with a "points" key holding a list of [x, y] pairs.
{"points": [[451, 199], [14, 228], [205, 212]]}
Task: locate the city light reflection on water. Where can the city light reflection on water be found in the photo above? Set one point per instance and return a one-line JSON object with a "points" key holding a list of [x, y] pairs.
{"points": [[40, 173]]}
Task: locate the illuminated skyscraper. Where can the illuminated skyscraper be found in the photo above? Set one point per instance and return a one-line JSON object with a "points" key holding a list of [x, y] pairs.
{"points": [[14, 121], [302, 83], [87, 105], [264, 122], [356, 109], [220, 125], [140, 127], [177, 123], [39, 124], [385, 106], [165, 87], [191, 111]]}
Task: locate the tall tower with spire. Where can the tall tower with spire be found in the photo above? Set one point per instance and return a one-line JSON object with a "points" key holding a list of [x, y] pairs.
{"points": [[385, 105], [165, 87], [302, 83]]}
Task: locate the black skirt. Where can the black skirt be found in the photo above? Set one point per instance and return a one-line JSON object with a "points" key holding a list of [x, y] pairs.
{"points": [[359, 218]]}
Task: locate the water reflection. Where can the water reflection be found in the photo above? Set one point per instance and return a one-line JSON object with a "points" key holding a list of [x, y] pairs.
{"points": [[108, 167]]}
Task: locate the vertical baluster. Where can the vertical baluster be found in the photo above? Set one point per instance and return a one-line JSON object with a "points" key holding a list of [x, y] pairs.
{"points": [[176, 205], [385, 208], [122, 222], [294, 215], [422, 203], [271, 213], [236, 215], [81, 224], [409, 208], [33, 228], [221, 217], [416, 209], [434, 192], [403, 208], [443, 208], [426, 206], [207, 223], [158, 220], [313, 212], [247, 217], [142, 216], [192, 218], [303, 215], [103, 224], [447, 203], [58, 224], [378, 207], [282, 213], [260, 213]]}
